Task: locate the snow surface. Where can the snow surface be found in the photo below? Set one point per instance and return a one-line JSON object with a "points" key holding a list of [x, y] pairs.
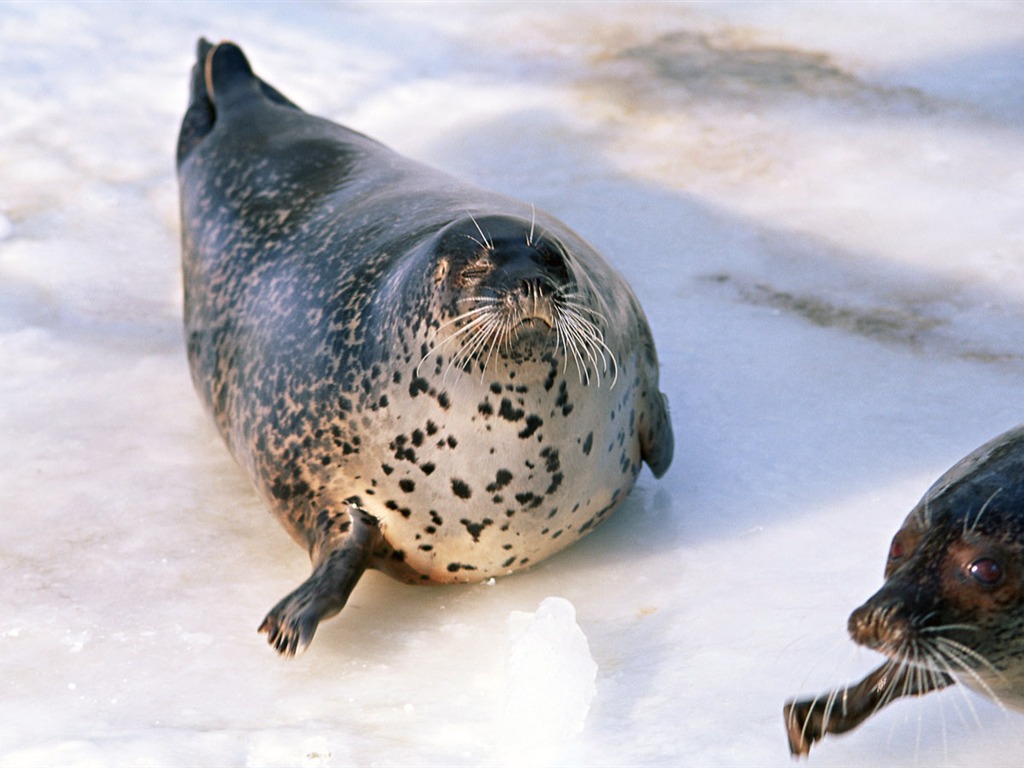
{"points": [[821, 207]]}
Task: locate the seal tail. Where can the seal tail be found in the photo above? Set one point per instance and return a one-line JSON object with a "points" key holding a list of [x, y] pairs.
{"points": [[221, 78]]}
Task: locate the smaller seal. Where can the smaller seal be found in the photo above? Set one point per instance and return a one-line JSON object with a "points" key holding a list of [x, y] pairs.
{"points": [[952, 606]]}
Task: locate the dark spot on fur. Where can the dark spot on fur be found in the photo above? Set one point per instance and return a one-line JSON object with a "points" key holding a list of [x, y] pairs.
{"points": [[508, 412], [563, 395], [551, 461], [456, 567], [417, 386], [388, 469], [501, 479], [485, 408], [533, 423], [284, 491], [407, 485], [427, 468], [475, 529], [588, 444], [461, 489]]}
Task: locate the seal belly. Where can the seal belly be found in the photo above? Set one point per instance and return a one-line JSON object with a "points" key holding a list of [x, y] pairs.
{"points": [[538, 473]]}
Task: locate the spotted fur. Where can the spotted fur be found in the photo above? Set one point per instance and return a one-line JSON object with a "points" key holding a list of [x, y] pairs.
{"points": [[420, 376]]}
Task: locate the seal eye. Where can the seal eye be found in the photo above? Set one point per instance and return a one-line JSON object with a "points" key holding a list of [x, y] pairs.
{"points": [[986, 571], [441, 271], [476, 270], [896, 550]]}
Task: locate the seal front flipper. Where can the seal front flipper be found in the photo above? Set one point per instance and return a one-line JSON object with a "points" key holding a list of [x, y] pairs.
{"points": [[657, 443], [340, 555], [809, 720]]}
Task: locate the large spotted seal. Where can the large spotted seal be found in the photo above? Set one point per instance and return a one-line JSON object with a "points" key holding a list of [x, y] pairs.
{"points": [[952, 607], [420, 376]]}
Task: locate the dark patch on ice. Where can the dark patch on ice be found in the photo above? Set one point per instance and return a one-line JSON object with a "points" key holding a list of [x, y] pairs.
{"points": [[903, 325], [730, 65]]}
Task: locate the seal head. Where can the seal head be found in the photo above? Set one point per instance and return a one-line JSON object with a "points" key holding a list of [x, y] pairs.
{"points": [[420, 376], [952, 606]]}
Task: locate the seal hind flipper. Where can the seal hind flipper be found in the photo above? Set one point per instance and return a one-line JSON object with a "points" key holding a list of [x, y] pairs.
{"points": [[229, 77], [230, 68], [199, 117], [341, 554]]}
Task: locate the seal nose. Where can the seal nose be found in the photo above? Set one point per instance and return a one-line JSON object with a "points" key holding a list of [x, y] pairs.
{"points": [[876, 624], [526, 268]]}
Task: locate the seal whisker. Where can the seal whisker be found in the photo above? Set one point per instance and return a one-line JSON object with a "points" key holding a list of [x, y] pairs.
{"points": [[487, 245], [476, 318], [981, 511], [575, 335], [830, 703], [572, 340], [895, 675], [466, 338], [593, 338], [810, 711], [474, 342], [960, 654], [486, 340], [500, 330], [949, 628], [950, 668], [576, 301]]}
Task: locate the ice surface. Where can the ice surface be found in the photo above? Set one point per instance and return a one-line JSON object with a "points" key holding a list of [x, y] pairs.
{"points": [[821, 208]]}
